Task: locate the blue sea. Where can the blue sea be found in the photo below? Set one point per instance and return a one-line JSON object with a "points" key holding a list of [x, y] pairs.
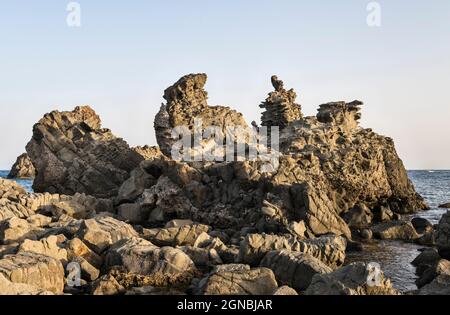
{"points": [[394, 257]]}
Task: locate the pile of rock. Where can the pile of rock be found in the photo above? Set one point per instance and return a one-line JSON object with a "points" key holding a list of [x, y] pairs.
{"points": [[134, 221], [280, 107]]}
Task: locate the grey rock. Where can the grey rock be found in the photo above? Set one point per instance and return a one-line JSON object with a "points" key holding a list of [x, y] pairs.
{"points": [[236, 280], [72, 153], [101, 232], [349, 280], [293, 268]]}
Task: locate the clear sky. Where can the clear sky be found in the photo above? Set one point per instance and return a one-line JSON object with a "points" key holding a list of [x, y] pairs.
{"points": [[127, 52]]}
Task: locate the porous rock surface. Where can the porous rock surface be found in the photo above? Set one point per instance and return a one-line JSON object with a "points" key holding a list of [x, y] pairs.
{"points": [[136, 221], [73, 153]]}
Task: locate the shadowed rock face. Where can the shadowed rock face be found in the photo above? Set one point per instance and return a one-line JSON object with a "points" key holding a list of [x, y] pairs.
{"points": [[187, 101], [22, 168], [72, 153]]}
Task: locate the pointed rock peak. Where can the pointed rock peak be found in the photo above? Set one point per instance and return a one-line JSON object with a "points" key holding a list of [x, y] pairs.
{"points": [[188, 91], [280, 106]]}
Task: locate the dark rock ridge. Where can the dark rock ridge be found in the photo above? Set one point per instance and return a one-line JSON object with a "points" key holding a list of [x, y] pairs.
{"points": [[72, 153], [22, 168]]}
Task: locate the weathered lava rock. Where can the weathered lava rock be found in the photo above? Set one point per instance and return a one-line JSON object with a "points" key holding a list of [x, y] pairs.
{"points": [[72, 153]]}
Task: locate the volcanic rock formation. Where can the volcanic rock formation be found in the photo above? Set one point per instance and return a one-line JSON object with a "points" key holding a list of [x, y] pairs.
{"points": [[72, 153], [22, 168]]}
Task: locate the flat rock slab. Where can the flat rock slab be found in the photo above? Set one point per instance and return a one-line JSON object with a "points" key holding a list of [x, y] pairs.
{"points": [[34, 269]]}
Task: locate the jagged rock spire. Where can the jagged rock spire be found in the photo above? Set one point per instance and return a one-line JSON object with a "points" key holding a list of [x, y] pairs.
{"points": [[280, 107]]}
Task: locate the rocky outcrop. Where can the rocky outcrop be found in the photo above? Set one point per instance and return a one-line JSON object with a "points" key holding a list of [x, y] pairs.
{"points": [[186, 102], [328, 249], [350, 280], [22, 168], [72, 153], [280, 107], [135, 221]]}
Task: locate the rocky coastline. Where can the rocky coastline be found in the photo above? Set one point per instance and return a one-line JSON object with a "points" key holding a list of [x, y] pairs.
{"points": [[109, 219]]}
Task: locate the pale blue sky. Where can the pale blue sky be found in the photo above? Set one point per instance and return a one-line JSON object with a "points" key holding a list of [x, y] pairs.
{"points": [[127, 52]]}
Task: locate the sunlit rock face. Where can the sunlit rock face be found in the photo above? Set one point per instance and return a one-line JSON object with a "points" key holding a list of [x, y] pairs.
{"points": [[73, 153]]}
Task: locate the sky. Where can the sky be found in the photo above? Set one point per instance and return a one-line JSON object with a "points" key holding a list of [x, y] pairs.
{"points": [[125, 53]]}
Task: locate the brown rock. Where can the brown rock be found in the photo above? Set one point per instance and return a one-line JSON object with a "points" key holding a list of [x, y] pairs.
{"points": [[22, 168], [72, 153]]}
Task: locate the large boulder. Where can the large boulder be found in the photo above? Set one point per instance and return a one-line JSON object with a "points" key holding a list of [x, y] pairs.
{"points": [[441, 267], [395, 230], [294, 269], [47, 246], [22, 168], [280, 107], [238, 280], [328, 249], [72, 153], [34, 269], [443, 236], [350, 280], [425, 260], [439, 286], [102, 231], [141, 257]]}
